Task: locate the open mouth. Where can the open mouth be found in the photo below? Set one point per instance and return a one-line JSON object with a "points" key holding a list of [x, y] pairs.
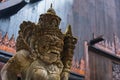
{"points": [[54, 52]]}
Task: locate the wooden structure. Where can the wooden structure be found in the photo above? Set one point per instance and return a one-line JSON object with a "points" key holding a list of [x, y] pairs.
{"points": [[102, 65], [102, 61], [10, 7]]}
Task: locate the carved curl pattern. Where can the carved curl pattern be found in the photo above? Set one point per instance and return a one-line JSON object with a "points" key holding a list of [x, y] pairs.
{"points": [[25, 33]]}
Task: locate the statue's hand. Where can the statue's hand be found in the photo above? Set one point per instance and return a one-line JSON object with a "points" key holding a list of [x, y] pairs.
{"points": [[64, 76]]}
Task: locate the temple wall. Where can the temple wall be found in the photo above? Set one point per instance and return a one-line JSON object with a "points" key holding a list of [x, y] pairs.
{"points": [[86, 17]]}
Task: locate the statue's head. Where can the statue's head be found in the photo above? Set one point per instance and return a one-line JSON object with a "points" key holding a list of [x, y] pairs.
{"points": [[48, 40], [44, 40]]}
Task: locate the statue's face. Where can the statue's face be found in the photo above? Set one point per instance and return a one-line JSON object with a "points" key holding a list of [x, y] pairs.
{"points": [[50, 47]]}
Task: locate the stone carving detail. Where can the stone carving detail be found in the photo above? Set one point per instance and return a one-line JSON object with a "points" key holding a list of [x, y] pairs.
{"points": [[43, 51], [116, 71]]}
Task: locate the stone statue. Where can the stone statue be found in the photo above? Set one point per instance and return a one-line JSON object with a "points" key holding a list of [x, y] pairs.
{"points": [[43, 51]]}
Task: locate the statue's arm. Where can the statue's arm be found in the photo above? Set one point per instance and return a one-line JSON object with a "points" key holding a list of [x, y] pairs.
{"points": [[15, 66]]}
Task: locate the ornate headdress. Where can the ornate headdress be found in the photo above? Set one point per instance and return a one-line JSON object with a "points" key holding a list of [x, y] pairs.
{"points": [[48, 25]]}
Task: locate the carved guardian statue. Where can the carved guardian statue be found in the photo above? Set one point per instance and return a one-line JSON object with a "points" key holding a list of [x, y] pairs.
{"points": [[43, 51]]}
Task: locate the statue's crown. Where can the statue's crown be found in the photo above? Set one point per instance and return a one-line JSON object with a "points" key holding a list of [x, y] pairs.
{"points": [[49, 24], [49, 19]]}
